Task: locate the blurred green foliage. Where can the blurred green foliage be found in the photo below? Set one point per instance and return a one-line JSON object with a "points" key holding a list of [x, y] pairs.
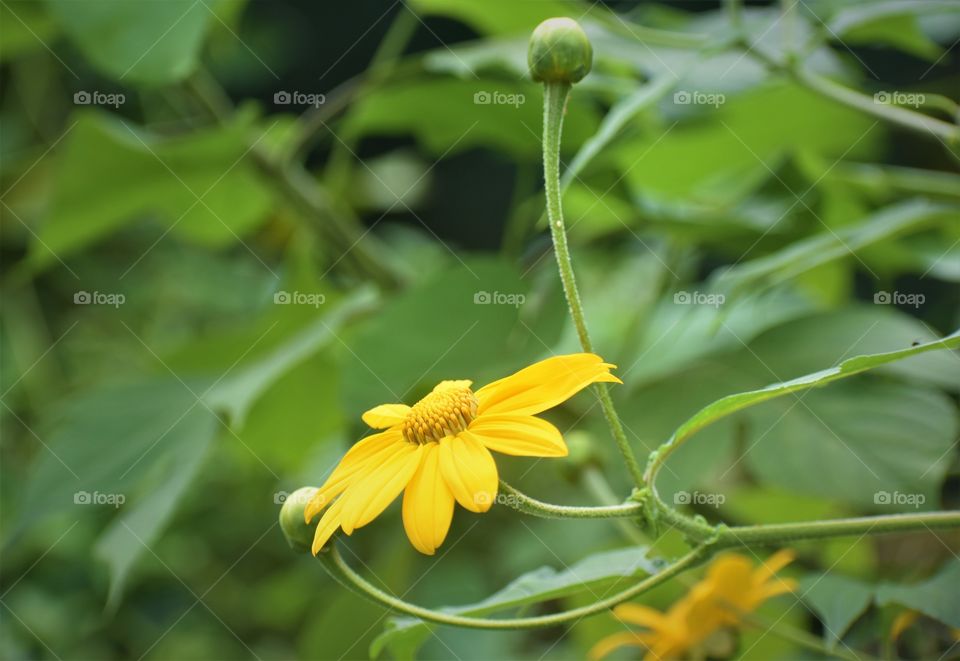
{"points": [[229, 228]]}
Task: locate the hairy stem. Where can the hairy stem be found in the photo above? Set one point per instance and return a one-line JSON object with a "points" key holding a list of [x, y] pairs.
{"points": [[521, 502], [718, 537], [554, 100], [334, 563]]}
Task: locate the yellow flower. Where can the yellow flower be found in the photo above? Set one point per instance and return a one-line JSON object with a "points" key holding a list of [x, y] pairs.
{"points": [[731, 588], [739, 588], [438, 450], [687, 623]]}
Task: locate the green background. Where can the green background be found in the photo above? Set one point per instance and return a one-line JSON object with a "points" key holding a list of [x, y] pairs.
{"points": [[150, 238]]}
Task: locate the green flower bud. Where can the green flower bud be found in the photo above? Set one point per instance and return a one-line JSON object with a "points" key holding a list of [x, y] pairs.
{"points": [[299, 534], [559, 52], [581, 448]]}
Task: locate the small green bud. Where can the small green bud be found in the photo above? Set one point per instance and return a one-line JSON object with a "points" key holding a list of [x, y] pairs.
{"points": [[559, 52], [581, 448], [298, 532]]}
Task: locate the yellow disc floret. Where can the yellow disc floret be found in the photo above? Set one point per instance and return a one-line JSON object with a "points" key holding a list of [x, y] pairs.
{"points": [[446, 411]]}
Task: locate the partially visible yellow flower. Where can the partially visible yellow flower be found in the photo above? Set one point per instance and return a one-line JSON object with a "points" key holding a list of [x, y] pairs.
{"points": [[741, 588], [684, 625], [903, 622], [731, 588], [907, 619], [438, 450]]}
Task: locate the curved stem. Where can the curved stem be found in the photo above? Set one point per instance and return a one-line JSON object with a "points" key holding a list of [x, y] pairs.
{"points": [[910, 119], [554, 100], [779, 533], [891, 113], [338, 568], [722, 536], [521, 502]]}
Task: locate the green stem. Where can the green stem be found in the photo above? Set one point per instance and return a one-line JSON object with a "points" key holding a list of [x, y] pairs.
{"points": [[910, 119], [554, 100], [334, 563], [521, 502], [890, 113], [780, 533], [719, 537]]}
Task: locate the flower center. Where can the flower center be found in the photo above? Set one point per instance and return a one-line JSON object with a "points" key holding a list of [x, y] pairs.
{"points": [[447, 410]]}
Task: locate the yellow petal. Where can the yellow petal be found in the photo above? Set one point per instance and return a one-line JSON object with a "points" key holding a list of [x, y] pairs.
{"points": [[640, 615], [519, 435], [327, 526], [370, 494], [773, 564], [427, 504], [385, 415], [614, 642], [469, 471], [368, 453], [903, 622], [543, 385], [776, 587]]}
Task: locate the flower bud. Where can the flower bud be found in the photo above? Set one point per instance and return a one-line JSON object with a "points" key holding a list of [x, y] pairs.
{"points": [[559, 52], [298, 532]]}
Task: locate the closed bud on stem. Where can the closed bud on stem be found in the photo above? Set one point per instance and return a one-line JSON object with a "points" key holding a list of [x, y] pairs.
{"points": [[299, 534], [559, 52]]}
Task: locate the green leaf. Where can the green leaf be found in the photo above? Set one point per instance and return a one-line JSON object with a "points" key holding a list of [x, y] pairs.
{"points": [[132, 532], [24, 29], [837, 600], [245, 385], [449, 116], [111, 173], [807, 254], [650, 413], [106, 445], [732, 403], [893, 23], [688, 325], [916, 472], [138, 42], [829, 337], [937, 597], [717, 156], [463, 322], [404, 635], [106, 440]]}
